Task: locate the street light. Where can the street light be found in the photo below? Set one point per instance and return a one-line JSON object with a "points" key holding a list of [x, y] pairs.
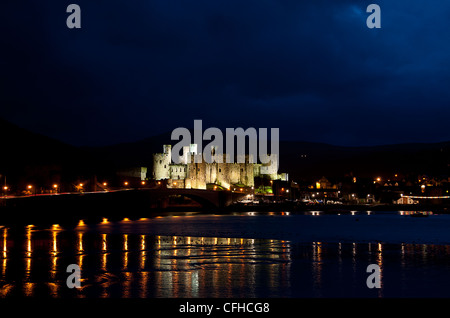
{"points": [[29, 187]]}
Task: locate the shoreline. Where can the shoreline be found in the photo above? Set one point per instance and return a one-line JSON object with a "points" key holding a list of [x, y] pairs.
{"points": [[35, 210]]}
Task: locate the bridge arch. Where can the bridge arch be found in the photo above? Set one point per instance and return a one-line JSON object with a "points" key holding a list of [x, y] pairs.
{"points": [[202, 201], [206, 198]]}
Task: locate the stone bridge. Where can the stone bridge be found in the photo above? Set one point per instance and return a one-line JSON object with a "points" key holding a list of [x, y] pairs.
{"points": [[207, 198], [132, 202]]}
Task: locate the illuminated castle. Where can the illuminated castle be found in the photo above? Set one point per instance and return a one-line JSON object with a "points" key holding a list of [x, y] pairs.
{"points": [[189, 174]]}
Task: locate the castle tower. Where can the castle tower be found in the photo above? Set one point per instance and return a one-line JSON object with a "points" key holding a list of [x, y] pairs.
{"points": [[168, 150], [185, 157], [161, 163], [271, 167], [193, 149]]}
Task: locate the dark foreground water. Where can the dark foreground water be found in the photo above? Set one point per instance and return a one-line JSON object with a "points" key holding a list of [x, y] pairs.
{"points": [[130, 259]]}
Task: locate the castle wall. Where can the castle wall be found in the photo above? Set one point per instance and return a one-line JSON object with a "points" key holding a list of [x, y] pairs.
{"points": [[222, 175], [246, 174], [226, 174], [211, 173], [176, 183], [178, 172], [136, 172], [197, 175]]}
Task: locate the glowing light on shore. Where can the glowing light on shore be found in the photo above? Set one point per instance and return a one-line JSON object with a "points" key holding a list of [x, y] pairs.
{"points": [[425, 197]]}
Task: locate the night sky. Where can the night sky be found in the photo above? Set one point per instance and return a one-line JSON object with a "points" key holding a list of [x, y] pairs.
{"points": [[311, 68]]}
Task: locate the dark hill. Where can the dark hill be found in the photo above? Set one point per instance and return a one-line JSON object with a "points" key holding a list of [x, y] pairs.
{"points": [[307, 159], [31, 157], [312, 159], [25, 153]]}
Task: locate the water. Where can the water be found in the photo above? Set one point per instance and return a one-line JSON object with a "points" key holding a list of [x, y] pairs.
{"points": [[145, 259]]}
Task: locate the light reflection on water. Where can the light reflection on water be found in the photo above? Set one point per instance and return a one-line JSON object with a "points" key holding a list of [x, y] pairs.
{"points": [[118, 264], [128, 265]]}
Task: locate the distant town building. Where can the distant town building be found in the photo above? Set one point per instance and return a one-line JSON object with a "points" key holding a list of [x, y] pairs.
{"points": [[405, 200], [323, 183]]}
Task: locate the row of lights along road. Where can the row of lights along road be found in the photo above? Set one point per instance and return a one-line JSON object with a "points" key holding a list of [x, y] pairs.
{"points": [[56, 186]]}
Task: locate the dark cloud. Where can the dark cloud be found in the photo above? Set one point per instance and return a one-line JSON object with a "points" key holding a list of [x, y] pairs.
{"points": [[311, 68]]}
